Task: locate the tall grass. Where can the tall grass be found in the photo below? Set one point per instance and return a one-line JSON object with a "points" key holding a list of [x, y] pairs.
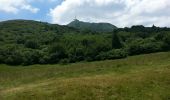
{"points": [[143, 77]]}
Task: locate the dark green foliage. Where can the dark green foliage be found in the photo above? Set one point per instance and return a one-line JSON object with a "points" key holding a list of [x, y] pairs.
{"points": [[56, 53], [31, 57], [116, 43], [113, 54], [138, 28], [10, 54], [165, 38], [76, 54], [140, 46], [30, 42]]}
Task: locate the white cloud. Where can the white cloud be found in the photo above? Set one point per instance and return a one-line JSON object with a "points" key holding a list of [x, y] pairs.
{"points": [[14, 6], [118, 12]]}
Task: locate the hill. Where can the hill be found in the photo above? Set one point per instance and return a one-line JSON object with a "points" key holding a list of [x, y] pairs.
{"points": [[95, 27], [33, 42], [31, 26], [27, 42], [143, 77]]}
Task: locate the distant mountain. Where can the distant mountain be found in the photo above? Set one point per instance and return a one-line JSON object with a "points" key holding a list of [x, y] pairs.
{"points": [[96, 27]]}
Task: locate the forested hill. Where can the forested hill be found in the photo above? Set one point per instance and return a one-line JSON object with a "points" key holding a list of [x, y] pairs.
{"points": [[31, 42], [95, 27], [30, 26]]}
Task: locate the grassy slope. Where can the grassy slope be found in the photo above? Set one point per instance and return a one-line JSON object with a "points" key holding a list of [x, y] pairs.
{"points": [[143, 77]]}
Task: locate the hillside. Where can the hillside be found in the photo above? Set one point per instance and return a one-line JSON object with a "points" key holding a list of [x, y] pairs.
{"points": [[31, 26], [27, 42], [143, 77], [32, 42], [43, 61], [95, 27]]}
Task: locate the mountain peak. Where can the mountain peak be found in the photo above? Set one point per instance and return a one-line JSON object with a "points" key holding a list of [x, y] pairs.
{"points": [[76, 20], [95, 27]]}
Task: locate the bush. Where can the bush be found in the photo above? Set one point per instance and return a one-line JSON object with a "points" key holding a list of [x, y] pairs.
{"points": [[32, 44], [112, 54], [56, 53], [31, 57], [64, 61], [116, 43], [142, 46], [11, 54], [76, 54], [164, 37]]}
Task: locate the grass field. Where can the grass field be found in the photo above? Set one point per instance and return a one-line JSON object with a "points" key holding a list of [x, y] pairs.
{"points": [[143, 77]]}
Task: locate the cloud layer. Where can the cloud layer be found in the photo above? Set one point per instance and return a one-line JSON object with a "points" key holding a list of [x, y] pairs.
{"points": [[118, 12], [14, 6]]}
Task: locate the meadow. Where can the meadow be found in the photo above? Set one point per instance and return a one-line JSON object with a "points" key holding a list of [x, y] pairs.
{"points": [[142, 77]]}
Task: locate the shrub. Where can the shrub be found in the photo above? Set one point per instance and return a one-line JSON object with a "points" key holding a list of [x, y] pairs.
{"points": [[142, 46], [112, 54]]}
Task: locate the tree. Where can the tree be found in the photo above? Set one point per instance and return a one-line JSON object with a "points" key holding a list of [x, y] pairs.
{"points": [[112, 54], [32, 44], [57, 53], [31, 57], [143, 46], [116, 43]]}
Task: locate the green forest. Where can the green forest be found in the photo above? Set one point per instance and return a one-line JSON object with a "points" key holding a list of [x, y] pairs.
{"points": [[27, 42]]}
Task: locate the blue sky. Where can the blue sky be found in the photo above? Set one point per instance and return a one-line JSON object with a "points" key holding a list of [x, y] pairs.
{"points": [[121, 13], [44, 7]]}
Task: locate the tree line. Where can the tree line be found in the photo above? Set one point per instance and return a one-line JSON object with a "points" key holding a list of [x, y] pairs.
{"points": [[43, 43]]}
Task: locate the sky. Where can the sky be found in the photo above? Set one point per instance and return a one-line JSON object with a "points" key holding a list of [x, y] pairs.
{"points": [[122, 13]]}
